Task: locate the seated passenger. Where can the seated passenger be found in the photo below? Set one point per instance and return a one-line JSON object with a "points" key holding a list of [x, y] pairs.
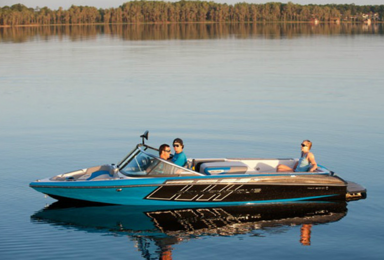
{"points": [[179, 158], [306, 162]]}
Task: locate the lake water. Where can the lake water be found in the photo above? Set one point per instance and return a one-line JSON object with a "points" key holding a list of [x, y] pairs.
{"points": [[75, 97]]}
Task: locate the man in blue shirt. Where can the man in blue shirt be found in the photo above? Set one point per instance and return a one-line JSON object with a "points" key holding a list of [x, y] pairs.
{"points": [[179, 158]]}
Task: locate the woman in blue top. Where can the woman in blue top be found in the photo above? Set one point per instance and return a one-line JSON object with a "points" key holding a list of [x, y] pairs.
{"points": [[306, 162], [179, 158]]}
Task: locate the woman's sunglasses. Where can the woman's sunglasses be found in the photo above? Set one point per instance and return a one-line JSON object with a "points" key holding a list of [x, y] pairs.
{"points": [[176, 145], [303, 145]]}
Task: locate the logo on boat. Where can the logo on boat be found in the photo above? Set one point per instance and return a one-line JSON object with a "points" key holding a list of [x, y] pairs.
{"points": [[204, 193], [318, 188]]}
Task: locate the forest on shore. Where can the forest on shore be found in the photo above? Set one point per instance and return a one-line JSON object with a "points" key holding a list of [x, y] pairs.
{"points": [[135, 12]]}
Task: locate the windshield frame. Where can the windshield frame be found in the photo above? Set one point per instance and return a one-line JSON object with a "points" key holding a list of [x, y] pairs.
{"points": [[149, 169]]}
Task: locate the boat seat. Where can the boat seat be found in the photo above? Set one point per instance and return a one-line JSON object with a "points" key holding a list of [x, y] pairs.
{"points": [[216, 168], [98, 173], [196, 163]]}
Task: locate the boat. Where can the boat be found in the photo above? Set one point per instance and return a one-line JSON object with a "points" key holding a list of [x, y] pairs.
{"points": [[156, 230], [144, 179]]}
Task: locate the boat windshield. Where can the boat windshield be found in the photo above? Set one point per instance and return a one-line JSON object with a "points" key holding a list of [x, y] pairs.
{"points": [[144, 160]]}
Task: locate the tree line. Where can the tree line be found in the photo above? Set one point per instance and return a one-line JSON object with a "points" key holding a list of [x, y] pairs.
{"points": [[189, 11]]}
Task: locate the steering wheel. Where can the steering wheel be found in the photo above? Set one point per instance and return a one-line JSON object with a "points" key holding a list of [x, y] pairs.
{"points": [[145, 162]]}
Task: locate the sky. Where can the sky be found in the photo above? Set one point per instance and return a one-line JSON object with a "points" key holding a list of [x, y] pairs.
{"points": [[55, 4]]}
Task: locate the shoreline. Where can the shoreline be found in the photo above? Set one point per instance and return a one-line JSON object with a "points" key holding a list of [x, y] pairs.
{"points": [[172, 23]]}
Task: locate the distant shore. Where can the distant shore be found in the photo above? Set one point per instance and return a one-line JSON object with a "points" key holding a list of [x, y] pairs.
{"points": [[169, 23], [156, 12]]}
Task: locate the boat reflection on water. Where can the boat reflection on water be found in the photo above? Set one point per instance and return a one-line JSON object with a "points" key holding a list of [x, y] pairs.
{"points": [[156, 230]]}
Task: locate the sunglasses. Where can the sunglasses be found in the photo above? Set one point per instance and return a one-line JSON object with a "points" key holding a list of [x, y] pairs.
{"points": [[176, 145], [303, 145], [167, 151]]}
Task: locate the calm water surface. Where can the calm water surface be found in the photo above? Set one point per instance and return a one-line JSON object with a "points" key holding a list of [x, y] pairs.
{"points": [[75, 97]]}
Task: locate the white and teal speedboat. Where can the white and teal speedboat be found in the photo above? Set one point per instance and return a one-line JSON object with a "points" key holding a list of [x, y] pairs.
{"points": [[142, 178]]}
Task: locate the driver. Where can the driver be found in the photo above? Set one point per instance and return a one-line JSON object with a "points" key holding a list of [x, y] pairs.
{"points": [[161, 167], [164, 151]]}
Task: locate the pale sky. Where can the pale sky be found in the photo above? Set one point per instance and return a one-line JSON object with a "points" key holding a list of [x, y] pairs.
{"points": [[55, 4]]}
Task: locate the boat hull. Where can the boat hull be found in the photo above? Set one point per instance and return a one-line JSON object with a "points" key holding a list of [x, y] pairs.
{"points": [[231, 190]]}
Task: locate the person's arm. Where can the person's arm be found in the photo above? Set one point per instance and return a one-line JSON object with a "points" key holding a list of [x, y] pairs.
{"points": [[312, 161], [294, 167]]}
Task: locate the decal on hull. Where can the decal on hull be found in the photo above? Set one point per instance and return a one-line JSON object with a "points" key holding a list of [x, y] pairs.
{"points": [[202, 193]]}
